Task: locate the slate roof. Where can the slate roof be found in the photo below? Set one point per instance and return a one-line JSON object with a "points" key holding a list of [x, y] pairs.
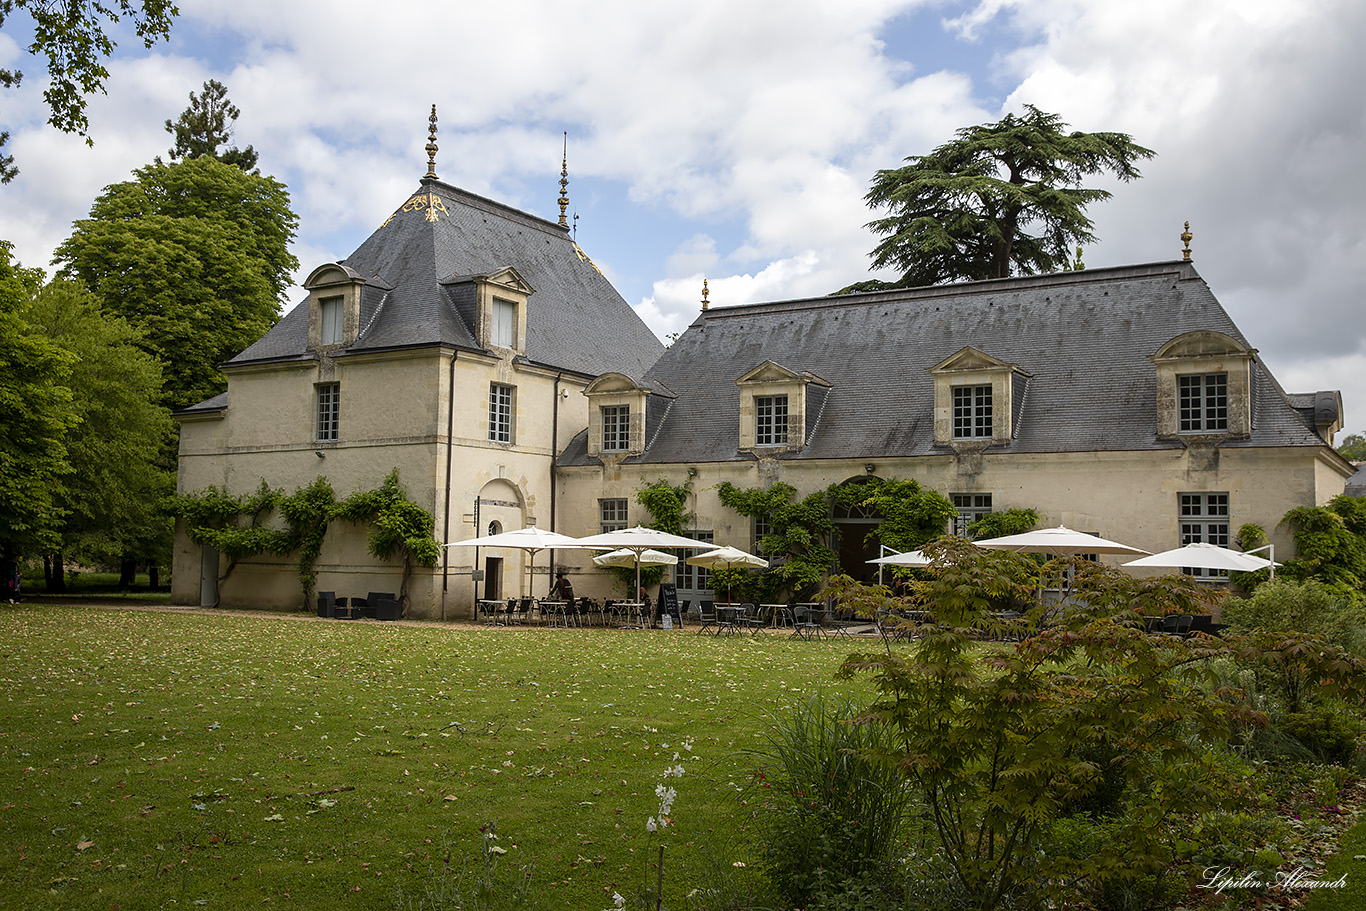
{"points": [[413, 263], [1082, 338]]}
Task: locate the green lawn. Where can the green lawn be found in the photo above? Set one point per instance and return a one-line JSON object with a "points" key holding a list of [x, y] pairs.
{"points": [[150, 759]]}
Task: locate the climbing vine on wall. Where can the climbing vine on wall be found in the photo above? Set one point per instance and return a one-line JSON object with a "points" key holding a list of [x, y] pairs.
{"points": [[668, 507], [237, 526]]}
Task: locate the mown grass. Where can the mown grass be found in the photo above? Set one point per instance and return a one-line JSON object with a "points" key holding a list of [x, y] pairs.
{"points": [[151, 759]]}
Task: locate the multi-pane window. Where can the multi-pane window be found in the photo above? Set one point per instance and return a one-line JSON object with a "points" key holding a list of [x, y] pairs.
{"points": [[971, 412], [504, 332], [500, 413], [330, 317], [971, 507], [770, 420], [329, 411], [1202, 402], [616, 428], [762, 527], [611, 515], [693, 578], [1204, 520]]}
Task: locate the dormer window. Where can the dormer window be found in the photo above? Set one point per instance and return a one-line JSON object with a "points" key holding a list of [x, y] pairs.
{"points": [[504, 332], [770, 420], [1204, 386], [1203, 402], [776, 408], [334, 299], [977, 398], [616, 428], [330, 311]]}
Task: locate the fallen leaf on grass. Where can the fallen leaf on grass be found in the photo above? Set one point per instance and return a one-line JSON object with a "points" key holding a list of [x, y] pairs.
{"points": [[82, 845]]}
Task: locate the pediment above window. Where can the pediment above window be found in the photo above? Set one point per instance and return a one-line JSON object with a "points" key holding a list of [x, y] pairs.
{"points": [[613, 384], [970, 359], [1205, 343]]}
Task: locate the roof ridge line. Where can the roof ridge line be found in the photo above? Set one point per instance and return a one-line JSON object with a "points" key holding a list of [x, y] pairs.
{"points": [[493, 206]]}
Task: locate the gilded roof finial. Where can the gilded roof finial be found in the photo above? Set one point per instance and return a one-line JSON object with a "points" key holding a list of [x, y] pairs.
{"points": [[431, 144], [1186, 237], [705, 294], [564, 182]]}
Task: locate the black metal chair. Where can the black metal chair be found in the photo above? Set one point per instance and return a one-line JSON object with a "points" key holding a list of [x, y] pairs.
{"points": [[806, 623], [706, 612], [758, 617]]}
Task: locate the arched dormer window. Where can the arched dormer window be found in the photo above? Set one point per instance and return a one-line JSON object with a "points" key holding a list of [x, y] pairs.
{"points": [[1204, 386], [334, 294]]}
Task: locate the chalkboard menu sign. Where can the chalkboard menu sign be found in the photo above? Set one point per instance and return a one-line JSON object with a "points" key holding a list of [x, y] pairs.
{"points": [[668, 604]]}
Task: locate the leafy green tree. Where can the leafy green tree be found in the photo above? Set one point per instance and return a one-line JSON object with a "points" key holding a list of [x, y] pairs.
{"points": [[1002, 198], [36, 411], [911, 514], [1330, 544], [999, 524], [1353, 447], [1002, 748], [798, 543], [195, 256], [72, 35], [207, 124], [111, 499]]}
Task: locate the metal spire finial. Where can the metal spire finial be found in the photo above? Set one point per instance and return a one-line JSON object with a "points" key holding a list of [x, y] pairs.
{"points": [[705, 294], [564, 182], [431, 144], [1186, 237]]}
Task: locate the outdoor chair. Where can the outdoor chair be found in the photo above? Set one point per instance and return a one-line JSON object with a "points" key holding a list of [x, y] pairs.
{"points": [[388, 609], [327, 604], [706, 612], [806, 623], [523, 612], [758, 617]]}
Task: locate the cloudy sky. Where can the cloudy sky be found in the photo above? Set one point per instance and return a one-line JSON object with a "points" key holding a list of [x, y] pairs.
{"points": [[734, 139]]}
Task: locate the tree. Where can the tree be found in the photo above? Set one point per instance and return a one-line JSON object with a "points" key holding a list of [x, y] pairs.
{"points": [[110, 501], [963, 212], [207, 124], [195, 255], [72, 35], [1353, 447], [35, 412]]}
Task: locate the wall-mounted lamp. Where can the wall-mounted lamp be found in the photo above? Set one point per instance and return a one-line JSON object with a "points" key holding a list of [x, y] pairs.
{"points": [[318, 453], [692, 472], [870, 468]]}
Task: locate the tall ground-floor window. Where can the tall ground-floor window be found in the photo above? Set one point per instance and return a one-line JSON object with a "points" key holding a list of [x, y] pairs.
{"points": [[971, 507], [1204, 520]]}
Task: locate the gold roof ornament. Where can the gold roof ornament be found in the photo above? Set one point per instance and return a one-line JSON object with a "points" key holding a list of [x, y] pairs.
{"points": [[1186, 238], [705, 294], [431, 145], [564, 182]]}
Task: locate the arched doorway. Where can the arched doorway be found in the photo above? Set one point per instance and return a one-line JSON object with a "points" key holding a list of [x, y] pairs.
{"points": [[852, 540], [499, 508]]}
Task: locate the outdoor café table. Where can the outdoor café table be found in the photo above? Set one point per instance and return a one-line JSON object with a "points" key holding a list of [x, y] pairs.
{"points": [[632, 611], [781, 613], [552, 611], [728, 618], [488, 611]]}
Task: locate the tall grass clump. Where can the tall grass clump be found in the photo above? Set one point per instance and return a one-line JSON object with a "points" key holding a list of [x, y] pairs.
{"points": [[832, 812]]}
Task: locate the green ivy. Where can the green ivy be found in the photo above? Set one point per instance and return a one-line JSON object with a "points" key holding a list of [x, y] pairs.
{"points": [[668, 507], [235, 526]]}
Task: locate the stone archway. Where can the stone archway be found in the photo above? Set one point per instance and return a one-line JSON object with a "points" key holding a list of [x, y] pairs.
{"points": [[500, 503], [852, 525]]}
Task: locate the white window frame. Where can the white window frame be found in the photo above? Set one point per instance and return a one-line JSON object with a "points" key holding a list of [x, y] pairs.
{"points": [[1204, 519], [612, 514], [972, 412], [331, 314], [1202, 402], [971, 507], [770, 420], [328, 424], [616, 428], [501, 398], [503, 331]]}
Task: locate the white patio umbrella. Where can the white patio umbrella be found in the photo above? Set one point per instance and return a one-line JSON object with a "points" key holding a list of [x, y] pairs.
{"points": [[530, 539], [1199, 555], [1058, 542], [909, 558], [638, 540], [626, 557], [727, 558]]}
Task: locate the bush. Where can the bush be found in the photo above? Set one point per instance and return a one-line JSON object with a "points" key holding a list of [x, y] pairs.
{"points": [[832, 813], [1329, 733]]}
